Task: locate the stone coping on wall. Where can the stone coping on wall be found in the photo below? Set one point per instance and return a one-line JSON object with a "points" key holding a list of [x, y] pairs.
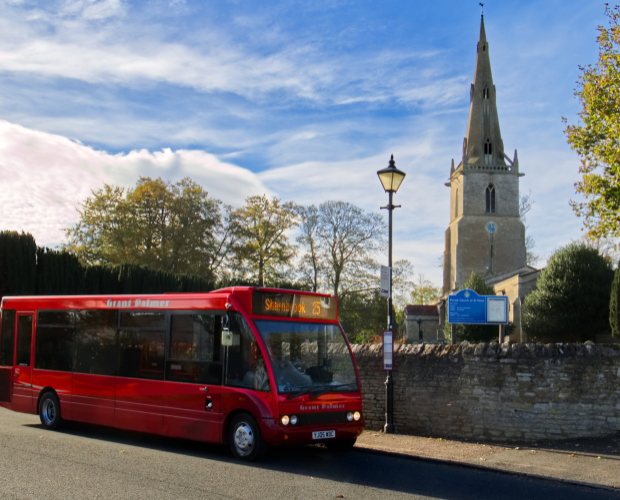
{"points": [[494, 350]]}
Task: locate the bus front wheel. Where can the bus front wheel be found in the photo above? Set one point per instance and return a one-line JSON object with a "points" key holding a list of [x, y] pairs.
{"points": [[244, 438], [49, 411]]}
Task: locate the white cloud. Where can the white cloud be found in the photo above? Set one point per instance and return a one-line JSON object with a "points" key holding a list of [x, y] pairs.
{"points": [[66, 44], [103, 9], [45, 177], [93, 9]]}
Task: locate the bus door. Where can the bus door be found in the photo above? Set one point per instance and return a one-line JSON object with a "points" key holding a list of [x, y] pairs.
{"points": [[7, 352], [22, 372], [245, 374], [192, 391]]}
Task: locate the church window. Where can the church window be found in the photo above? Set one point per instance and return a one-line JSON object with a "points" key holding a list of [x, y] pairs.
{"points": [[488, 152], [490, 199], [485, 92]]}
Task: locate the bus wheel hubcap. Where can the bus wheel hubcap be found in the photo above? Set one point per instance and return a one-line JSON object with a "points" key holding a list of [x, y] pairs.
{"points": [[49, 412], [244, 438]]}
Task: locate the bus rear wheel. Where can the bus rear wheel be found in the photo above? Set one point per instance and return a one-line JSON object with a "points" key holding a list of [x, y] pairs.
{"points": [[49, 411], [340, 444], [244, 438]]}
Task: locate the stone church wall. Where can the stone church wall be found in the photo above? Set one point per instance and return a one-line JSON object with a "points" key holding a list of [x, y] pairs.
{"points": [[488, 392]]}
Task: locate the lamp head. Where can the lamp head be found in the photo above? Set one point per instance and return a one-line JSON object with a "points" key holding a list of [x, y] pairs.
{"points": [[390, 177]]}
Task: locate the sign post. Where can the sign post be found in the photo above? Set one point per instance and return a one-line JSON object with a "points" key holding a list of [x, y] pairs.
{"points": [[388, 350], [385, 282]]}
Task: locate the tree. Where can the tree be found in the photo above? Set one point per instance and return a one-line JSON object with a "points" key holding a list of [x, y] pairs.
{"points": [[362, 315], [224, 241], [312, 265], [607, 247], [597, 138], [424, 291], [525, 205], [157, 224], [18, 261], [474, 333], [571, 302], [263, 246], [614, 304], [402, 273], [339, 241], [347, 239]]}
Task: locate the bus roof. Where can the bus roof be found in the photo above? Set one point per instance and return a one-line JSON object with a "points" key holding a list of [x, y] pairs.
{"points": [[213, 300]]}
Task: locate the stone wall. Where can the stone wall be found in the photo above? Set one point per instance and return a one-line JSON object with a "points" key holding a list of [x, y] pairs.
{"points": [[492, 392]]}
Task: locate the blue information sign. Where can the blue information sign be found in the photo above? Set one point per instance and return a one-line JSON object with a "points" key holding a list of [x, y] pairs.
{"points": [[468, 307]]}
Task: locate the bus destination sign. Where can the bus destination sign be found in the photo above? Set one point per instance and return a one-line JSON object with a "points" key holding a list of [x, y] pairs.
{"points": [[293, 305]]}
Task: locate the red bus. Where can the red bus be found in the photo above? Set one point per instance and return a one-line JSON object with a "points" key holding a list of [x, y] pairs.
{"points": [[251, 367]]}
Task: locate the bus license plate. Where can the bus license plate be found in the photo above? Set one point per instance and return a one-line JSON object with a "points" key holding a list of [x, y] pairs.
{"points": [[323, 434]]}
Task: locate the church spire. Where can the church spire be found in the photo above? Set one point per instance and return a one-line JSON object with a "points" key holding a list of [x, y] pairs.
{"points": [[485, 148], [485, 234]]}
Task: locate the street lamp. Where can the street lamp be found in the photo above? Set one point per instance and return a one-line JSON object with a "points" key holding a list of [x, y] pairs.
{"points": [[391, 179]]}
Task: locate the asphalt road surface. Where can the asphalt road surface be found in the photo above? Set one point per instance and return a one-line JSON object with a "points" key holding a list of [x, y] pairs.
{"points": [[87, 462]]}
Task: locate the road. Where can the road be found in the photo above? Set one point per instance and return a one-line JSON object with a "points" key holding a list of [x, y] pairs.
{"points": [[87, 462]]}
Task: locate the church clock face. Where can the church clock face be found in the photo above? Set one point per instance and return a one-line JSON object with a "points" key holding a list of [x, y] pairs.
{"points": [[491, 227]]}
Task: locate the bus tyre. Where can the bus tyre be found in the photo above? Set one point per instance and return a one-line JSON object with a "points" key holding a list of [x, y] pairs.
{"points": [[244, 438], [49, 411], [340, 444]]}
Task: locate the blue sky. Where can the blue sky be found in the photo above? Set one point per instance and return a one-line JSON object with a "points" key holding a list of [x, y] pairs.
{"points": [[301, 100]]}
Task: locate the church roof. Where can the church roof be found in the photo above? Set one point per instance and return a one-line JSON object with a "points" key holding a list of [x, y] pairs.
{"points": [[421, 311], [522, 273]]}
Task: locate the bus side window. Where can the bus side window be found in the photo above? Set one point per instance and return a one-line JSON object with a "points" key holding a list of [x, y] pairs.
{"points": [[54, 342], [245, 366], [24, 340], [194, 350], [8, 337], [95, 342], [141, 345]]}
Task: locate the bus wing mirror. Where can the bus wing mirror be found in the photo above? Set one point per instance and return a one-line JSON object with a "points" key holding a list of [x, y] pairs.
{"points": [[227, 337]]}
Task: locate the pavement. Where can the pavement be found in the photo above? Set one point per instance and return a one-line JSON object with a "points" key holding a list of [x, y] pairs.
{"points": [[591, 462]]}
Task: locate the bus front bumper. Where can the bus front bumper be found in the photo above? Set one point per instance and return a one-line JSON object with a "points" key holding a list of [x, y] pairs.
{"points": [[275, 434]]}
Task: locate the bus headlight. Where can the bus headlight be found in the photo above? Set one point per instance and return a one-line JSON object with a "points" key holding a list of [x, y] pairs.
{"points": [[350, 416], [357, 415], [293, 419], [285, 420]]}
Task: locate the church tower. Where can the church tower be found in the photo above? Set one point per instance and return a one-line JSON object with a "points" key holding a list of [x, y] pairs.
{"points": [[485, 234]]}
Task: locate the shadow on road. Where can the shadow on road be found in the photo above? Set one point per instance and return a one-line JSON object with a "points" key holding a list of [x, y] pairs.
{"points": [[368, 470]]}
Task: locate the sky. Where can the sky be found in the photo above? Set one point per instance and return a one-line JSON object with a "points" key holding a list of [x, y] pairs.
{"points": [[300, 100]]}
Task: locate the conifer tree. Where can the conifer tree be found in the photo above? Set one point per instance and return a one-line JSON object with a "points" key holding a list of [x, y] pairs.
{"points": [[614, 304], [571, 302]]}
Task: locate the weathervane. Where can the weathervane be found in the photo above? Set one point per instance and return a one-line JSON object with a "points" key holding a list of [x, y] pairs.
{"points": [[481, 10]]}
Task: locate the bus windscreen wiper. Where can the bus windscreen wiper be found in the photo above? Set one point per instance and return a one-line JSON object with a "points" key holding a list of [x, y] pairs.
{"points": [[307, 390], [329, 388]]}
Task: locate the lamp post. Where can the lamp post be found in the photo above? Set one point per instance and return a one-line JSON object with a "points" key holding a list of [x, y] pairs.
{"points": [[391, 179]]}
